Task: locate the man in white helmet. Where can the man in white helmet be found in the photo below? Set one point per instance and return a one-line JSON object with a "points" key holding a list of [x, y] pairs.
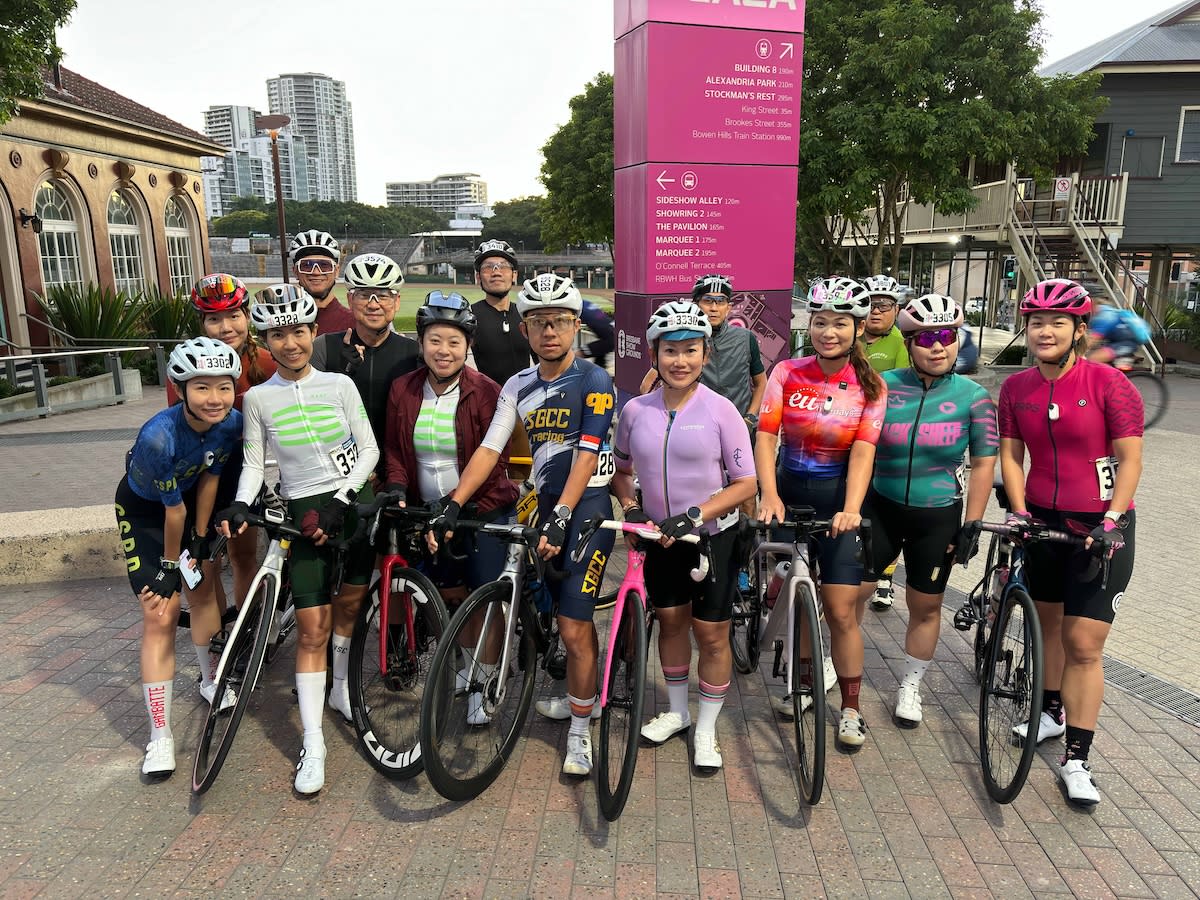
{"points": [[315, 256]]}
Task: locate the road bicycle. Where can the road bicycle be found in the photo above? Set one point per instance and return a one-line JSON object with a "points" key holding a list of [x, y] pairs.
{"points": [[481, 680], [399, 624], [623, 680], [1009, 664], [1151, 386]]}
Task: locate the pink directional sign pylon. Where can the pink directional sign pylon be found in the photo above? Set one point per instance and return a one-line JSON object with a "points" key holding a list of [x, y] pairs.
{"points": [[765, 15], [677, 222], [734, 97]]}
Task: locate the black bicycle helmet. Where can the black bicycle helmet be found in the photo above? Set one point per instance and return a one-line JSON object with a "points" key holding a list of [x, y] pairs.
{"points": [[446, 309]]}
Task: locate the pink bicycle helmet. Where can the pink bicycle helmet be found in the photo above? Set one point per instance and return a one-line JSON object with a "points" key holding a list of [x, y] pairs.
{"points": [[929, 313], [1057, 295]]}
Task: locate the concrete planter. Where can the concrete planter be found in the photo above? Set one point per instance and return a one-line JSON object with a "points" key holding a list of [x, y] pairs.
{"points": [[98, 390]]}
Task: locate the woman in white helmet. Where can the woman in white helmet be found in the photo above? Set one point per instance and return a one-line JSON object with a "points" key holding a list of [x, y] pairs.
{"points": [[164, 504]]}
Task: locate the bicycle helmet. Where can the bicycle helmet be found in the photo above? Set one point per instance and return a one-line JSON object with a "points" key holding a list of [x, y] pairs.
{"points": [[1057, 295], [548, 291], [928, 313], [308, 243], [712, 284], [494, 248], [373, 270], [446, 309], [281, 305], [884, 286], [678, 320], [203, 356], [219, 293], [841, 295]]}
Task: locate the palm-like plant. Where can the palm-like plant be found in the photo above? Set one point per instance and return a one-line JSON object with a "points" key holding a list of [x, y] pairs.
{"points": [[168, 316]]}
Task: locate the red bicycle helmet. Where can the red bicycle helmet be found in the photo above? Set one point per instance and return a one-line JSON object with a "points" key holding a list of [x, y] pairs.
{"points": [[1057, 295], [219, 293]]}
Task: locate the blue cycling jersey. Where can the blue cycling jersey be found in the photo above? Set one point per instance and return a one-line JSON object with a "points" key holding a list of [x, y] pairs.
{"points": [[1119, 326], [168, 457]]}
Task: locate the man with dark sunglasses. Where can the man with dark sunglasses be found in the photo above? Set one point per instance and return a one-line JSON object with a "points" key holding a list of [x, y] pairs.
{"points": [[881, 338], [315, 256]]}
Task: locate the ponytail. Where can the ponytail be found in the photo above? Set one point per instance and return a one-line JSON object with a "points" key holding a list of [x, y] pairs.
{"points": [[870, 381], [254, 370]]}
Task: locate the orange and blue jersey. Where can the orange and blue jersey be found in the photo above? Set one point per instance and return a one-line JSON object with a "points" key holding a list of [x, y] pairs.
{"points": [[818, 417]]}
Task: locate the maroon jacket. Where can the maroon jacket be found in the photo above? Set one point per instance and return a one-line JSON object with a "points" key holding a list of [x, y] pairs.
{"points": [[476, 407]]}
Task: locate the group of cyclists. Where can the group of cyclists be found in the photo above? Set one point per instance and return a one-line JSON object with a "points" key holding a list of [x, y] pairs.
{"points": [[355, 410]]}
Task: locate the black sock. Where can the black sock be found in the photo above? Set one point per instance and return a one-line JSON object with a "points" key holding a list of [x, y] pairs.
{"points": [[1052, 705], [1079, 742]]}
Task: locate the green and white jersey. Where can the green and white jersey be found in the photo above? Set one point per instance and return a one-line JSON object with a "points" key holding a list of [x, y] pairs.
{"points": [[316, 429], [435, 443]]}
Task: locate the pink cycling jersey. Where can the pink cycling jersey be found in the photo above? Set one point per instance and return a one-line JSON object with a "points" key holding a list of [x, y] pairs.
{"points": [[818, 417], [682, 457], [1068, 426]]}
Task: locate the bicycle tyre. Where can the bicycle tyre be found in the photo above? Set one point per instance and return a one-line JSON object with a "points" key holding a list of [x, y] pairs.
{"points": [[1153, 390], [809, 723], [743, 631], [250, 643], [462, 760], [1011, 694], [386, 709], [986, 599], [621, 717]]}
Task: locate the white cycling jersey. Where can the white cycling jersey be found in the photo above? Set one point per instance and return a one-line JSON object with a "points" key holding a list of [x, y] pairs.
{"points": [[318, 431]]}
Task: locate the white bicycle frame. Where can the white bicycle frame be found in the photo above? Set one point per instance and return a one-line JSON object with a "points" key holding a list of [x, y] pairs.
{"points": [[784, 611], [514, 573]]}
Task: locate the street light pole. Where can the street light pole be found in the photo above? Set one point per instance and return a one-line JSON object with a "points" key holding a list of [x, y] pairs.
{"points": [[272, 124]]}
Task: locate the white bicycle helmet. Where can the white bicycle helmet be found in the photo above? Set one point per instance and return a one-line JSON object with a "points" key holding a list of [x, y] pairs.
{"points": [[842, 295], [495, 248], [311, 242], [678, 320], [548, 291], [373, 270], [712, 284], [203, 356], [281, 305], [929, 312], [884, 286]]}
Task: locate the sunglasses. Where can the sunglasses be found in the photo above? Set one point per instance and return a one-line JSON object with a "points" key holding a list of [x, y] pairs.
{"points": [[315, 266], [446, 301], [943, 336], [376, 295], [884, 305], [495, 267], [560, 324]]}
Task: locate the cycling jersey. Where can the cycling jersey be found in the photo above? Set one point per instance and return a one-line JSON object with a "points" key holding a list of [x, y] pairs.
{"points": [[168, 457], [435, 443], [318, 432], [1068, 426], [601, 325], [1119, 326], [926, 432], [681, 456], [373, 376], [733, 361], [818, 417], [888, 352], [333, 318], [500, 349], [562, 417]]}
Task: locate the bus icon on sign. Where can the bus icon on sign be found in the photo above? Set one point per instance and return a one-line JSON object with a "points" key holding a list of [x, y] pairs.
{"points": [[763, 49], [689, 181]]}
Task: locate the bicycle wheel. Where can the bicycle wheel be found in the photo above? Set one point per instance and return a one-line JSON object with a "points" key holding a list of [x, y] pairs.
{"points": [[1154, 394], [388, 673], [743, 630], [1011, 694], [621, 717], [467, 736], [808, 697], [242, 659]]}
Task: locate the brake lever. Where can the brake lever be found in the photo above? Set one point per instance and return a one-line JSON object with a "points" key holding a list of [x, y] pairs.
{"points": [[590, 527]]}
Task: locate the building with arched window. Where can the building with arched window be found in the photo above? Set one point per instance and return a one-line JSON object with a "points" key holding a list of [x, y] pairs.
{"points": [[95, 188]]}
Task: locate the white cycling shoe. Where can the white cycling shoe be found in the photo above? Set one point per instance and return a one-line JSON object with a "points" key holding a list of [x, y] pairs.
{"points": [[1047, 728], [665, 726], [579, 755], [1076, 777], [310, 771], [160, 758], [559, 708], [209, 691]]}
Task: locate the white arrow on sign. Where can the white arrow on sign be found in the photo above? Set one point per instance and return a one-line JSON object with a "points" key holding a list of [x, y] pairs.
{"points": [[662, 180], [786, 52]]}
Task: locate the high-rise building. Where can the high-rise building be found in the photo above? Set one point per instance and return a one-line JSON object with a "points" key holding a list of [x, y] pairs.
{"points": [[321, 115], [246, 170], [446, 193]]}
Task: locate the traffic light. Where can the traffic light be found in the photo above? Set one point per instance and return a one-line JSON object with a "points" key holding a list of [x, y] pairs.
{"points": [[1009, 269]]}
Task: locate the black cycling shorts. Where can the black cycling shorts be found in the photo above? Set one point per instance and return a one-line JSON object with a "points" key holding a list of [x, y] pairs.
{"points": [[922, 534], [140, 524], [838, 561], [669, 583], [578, 592], [312, 567], [1060, 573]]}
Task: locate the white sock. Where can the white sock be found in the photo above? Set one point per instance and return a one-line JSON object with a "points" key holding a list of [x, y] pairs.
{"points": [[676, 678], [157, 695], [341, 665], [712, 698], [914, 670], [208, 664], [580, 724], [310, 692]]}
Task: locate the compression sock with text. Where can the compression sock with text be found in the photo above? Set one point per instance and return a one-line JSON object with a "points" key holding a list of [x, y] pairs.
{"points": [[157, 695], [850, 688], [1079, 743]]}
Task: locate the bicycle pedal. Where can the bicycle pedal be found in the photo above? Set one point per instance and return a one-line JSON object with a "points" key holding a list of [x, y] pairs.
{"points": [[776, 670], [965, 619]]}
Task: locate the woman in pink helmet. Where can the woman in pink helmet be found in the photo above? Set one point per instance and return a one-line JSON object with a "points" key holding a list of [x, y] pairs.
{"points": [[1080, 424]]}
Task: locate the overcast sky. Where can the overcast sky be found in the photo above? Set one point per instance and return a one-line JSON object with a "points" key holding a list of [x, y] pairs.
{"points": [[437, 86]]}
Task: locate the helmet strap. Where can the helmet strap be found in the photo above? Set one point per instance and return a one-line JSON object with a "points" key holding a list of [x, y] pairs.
{"points": [[321, 295]]}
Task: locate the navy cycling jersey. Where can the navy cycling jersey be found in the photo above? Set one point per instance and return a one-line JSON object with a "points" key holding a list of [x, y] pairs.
{"points": [[570, 414], [168, 457]]}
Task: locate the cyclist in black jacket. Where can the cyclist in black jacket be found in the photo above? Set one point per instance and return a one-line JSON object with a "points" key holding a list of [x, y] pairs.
{"points": [[500, 349]]}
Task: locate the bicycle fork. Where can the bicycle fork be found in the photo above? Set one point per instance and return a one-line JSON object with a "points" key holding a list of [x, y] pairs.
{"points": [[385, 597], [633, 578], [272, 565]]}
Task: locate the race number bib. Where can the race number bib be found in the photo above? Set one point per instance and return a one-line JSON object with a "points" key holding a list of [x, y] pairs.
{"points": [[960, 475], [1106, 476], [345, 455], [606, 467]]}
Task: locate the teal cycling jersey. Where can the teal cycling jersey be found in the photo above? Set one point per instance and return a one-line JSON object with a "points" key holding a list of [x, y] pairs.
{"points": [[919, 460]]}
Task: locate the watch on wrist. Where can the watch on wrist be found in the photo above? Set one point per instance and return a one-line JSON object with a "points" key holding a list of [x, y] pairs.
{"points": [[562, 511], [168, 565], [693, 513], [1113, 514]]}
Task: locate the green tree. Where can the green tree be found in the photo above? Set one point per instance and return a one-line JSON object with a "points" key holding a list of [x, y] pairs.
{"points": [[27, 45], [578, 171], [251, 214], [517, 221], [243, 223], [898, 95]]}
